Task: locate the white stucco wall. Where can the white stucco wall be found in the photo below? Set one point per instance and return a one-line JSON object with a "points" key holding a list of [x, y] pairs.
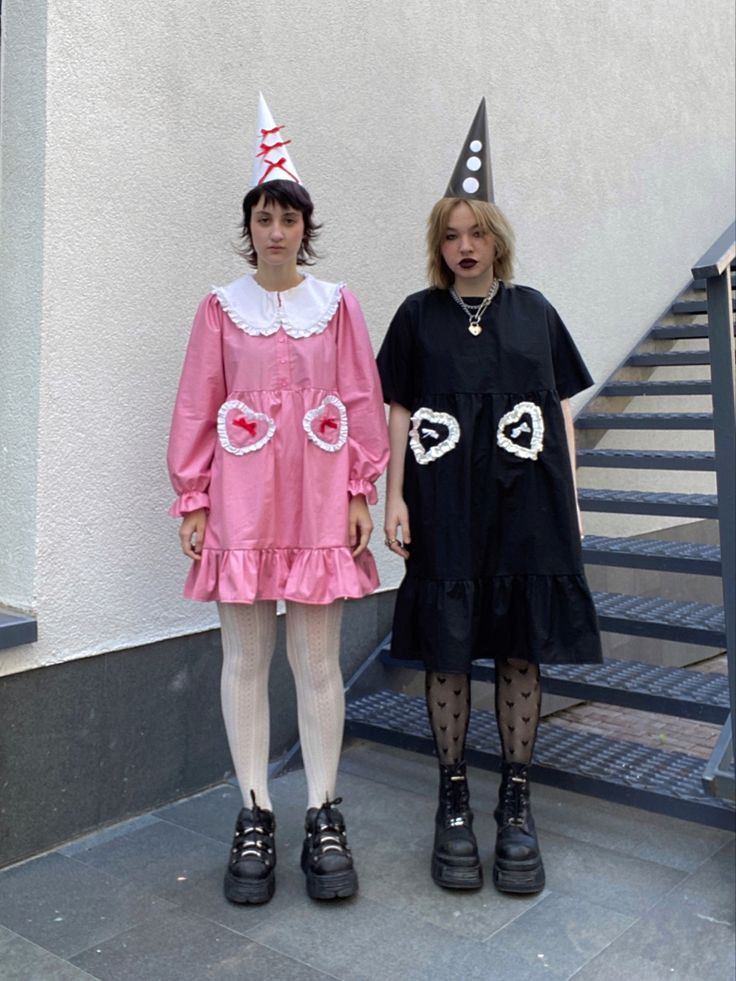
{"points": [[612, 133]]}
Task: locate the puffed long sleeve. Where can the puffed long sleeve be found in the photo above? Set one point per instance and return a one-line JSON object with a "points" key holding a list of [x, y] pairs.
{"points": [[194, 423], [360, 390]]}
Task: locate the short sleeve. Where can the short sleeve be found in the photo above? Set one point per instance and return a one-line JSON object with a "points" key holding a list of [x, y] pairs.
{"points": [[571, 374], [396, 360]]}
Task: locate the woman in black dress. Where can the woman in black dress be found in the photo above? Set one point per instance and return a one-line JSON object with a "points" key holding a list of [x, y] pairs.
{"points": [[481, 504]]}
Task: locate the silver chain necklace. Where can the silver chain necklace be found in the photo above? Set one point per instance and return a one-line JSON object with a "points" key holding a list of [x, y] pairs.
{"points": [[476, 310]]}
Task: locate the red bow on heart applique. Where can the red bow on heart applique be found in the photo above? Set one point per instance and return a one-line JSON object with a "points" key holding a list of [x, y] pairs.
{"points": [[327, 424], [244, 424]]}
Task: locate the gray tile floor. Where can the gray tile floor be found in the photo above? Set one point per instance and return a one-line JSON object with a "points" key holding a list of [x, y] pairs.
{"points": [[629, 895]]}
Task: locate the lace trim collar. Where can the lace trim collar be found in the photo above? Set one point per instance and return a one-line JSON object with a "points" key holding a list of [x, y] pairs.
{"points": [[304, 310]]}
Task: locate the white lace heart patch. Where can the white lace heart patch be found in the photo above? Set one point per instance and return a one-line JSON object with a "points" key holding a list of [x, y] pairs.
{"points": [[521, 431], [241, 429], [327, 425], [432, 434]]}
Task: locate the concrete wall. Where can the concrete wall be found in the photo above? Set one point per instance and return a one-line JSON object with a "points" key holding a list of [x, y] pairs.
{"points": [[128, 142]]}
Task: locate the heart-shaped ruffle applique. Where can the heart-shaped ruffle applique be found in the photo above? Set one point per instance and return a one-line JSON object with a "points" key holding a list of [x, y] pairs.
{"points": [[327, 425], [241, 429], [521, 431], [432, 434]]}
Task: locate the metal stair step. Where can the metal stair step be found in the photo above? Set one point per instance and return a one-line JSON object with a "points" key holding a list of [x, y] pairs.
{"points": [[687, 694], [614, 769], [692, 306], [675, 332], [654, 616], [646, 553], [648, 459], [699, 284], [695, 386], [648, 502], [666, 358], [645, 420], [679, 332]]}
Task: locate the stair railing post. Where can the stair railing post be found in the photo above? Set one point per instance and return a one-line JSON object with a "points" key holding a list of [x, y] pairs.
{"points": [[715, 267]]}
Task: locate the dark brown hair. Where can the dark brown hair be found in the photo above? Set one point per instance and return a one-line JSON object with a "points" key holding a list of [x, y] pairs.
{"points": [[288, 194]]}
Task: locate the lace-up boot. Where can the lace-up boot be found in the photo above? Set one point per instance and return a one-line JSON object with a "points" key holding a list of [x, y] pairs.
{"points": [[326, 858], [518, 865], [455, 859], [250, 873]]}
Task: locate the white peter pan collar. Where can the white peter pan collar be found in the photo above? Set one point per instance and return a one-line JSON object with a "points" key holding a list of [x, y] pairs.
{"points": [[304, 310]]}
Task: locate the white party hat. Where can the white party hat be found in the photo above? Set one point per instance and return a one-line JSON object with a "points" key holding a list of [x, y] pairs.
{"points": [[272, 160]]}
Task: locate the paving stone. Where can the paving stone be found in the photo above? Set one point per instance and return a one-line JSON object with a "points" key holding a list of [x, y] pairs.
{"points": [[555, 937], [212, 813], [629, 885], [710, 892], [204, 897], [671, 941], [21, 960], [162, 858], [361, 940], [101, 837], [173, 946], [64, 906]]}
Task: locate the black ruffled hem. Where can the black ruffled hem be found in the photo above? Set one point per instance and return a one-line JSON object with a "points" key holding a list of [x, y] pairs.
{"points": [[448, 624]]}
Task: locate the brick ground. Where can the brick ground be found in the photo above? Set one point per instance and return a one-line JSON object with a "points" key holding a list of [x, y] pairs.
{"points": [[647, 728]]}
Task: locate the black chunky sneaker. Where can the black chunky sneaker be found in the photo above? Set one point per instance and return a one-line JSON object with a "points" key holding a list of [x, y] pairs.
{"points": [[326, 858], [250, 871], [455, 859], [518, 865]]}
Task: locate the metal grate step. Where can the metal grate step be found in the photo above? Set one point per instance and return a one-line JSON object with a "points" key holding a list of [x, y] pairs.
{"points": [[692, 306], [645, 420], [648, 459], [628, 389], [699, 284], [618, 770], [643, 553], [698, 695], [653, 616], [647, 502], [678, 332], [665, 358]]}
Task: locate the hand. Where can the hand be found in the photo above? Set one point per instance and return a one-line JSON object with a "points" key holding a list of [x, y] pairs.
{"points": [[360, 524], [397, 516], [191, 533]]}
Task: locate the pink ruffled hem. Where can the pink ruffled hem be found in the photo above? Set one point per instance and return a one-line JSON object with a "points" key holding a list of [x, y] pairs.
{"points": [[190, 501], [304, 575], [356, 487]]}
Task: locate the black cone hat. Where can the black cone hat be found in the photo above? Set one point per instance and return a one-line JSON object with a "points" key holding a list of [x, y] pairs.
{"points": [[472, 177]]}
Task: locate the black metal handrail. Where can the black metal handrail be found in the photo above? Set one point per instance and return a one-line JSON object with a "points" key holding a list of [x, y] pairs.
{"points": [[715, 268]]}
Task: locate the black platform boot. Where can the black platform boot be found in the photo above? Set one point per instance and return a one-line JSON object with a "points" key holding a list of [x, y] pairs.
{"points": [[455, 859], [250, 872], [518, 865], [326, 858]]}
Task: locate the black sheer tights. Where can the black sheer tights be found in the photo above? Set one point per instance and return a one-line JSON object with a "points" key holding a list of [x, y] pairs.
{"points": [[448, 705], [518, 702]]}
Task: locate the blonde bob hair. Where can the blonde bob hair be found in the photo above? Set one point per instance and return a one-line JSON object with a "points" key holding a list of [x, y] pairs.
{"points": [[489, 218]]}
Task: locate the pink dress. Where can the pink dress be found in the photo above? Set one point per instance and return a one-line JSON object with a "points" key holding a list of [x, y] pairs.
{"points": [[279, 418]]}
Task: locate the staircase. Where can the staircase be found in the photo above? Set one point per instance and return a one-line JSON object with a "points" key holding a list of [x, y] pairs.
{"points": [[671, 370]]}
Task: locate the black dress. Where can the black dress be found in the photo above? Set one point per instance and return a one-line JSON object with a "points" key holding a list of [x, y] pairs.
{"points": [[495, 565]]}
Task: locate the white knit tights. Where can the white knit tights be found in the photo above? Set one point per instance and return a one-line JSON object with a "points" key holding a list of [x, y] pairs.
{"points": [[313, 649]]}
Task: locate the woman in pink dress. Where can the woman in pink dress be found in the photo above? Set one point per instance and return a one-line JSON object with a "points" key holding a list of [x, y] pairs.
{"points": [[277, 439]]}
